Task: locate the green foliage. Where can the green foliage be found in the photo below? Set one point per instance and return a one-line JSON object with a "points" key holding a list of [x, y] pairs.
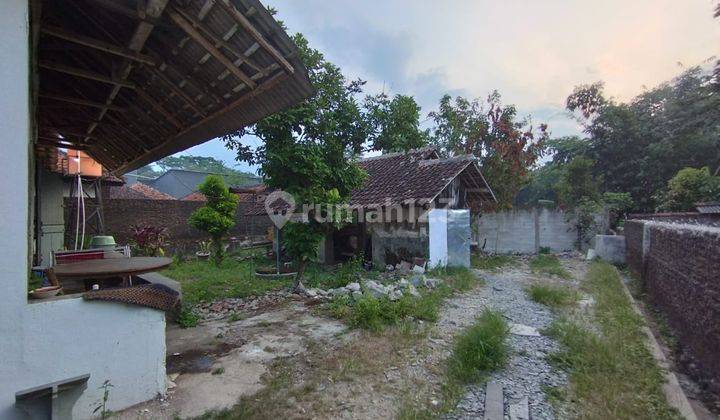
{"points": [[394, 124], [480, 349], [612, 374], [541, 186], [205, 164], [578, 183], [505, 145], [549, 264], [640, 145], [553, 296], [492, 262], [186, 316], [690, 186], [217, 216]]}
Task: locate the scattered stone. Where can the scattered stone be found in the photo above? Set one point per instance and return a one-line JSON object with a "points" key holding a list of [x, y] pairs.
{"points": [[412, 291], [524, 330], [591, 254], [389, 267], [353, 287], [430, 283], [418, 269], [311, 293], [417, 280], [376, 289], [395, 295]]}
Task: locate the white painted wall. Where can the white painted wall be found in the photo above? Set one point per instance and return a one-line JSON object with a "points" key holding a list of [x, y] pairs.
{"points": [[437, 220], [54, 340]]}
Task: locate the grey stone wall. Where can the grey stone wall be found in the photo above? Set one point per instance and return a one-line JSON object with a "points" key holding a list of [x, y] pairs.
{"points": [[524, 231]]}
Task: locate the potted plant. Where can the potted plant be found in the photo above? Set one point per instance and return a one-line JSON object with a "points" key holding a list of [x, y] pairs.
{"points": [[203, 252]]}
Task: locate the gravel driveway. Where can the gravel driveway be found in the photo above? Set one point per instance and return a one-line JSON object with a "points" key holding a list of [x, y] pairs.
{"points": [[527, 373]]}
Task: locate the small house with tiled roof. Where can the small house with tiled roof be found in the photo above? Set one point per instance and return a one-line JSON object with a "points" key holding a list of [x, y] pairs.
{"points": [[391, 207], [394, 202]]}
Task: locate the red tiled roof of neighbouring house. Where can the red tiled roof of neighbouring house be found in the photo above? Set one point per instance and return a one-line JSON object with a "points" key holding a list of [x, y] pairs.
{"points": [[137, 191], [416, 175], [194, 196], [419, 175]]}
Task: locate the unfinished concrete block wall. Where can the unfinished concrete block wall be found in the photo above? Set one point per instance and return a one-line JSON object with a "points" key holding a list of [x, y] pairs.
{"points": [[393, 242], [679, 267], [524, 231]]}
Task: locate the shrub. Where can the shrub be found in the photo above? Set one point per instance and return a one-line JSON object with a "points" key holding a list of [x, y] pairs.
{"points": [[217, 216], [187, 317], [147, 240]]}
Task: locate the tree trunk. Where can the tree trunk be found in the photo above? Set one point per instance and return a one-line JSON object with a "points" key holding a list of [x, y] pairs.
{"points": [[298, 286], [217, 251]]}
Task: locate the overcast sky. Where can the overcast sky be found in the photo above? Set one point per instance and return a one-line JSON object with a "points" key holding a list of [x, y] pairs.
{"points": [[532, 52]]}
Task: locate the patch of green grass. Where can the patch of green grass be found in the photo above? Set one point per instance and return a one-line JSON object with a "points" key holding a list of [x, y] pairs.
{"points": [[551, 295], [236, 316], [186, 316], [218, 371], [479, 349], [203, 282], [550, 265], [458, 279], [492, 262], [612, 374]]}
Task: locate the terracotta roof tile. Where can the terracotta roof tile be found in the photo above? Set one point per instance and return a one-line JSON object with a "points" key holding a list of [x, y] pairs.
{"points": [[137, 191], [397, 177], [194, 196]]}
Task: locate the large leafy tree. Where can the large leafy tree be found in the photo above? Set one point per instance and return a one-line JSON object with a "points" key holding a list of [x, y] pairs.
{"points": [[394, 123], [506, 145], [308, 149], [638, 146]]}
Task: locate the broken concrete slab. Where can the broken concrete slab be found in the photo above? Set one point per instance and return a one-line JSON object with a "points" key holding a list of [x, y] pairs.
{"points": [[519, 410], [524, 330], [494, 407]]}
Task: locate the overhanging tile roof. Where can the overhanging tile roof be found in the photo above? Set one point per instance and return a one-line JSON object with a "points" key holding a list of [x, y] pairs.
{"points": [[418, 175]]}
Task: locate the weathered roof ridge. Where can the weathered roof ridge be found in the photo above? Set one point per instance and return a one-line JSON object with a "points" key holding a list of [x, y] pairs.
{"points": [[418, 150]]}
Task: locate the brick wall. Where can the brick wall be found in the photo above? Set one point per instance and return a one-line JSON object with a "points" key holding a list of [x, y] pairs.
{"points": [[679, 265], [120, 215]]}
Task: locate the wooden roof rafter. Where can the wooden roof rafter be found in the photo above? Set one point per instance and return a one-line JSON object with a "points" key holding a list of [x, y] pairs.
{"points": [[255, 34], [196, 36], [129, 112]]}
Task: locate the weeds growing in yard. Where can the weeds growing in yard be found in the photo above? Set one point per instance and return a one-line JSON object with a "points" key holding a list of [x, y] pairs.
{"points": [[374, 314], [479, 349], [204, 282], [612, 374], [551, 295], [186, 316], [550, 265], [492, 262]]}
